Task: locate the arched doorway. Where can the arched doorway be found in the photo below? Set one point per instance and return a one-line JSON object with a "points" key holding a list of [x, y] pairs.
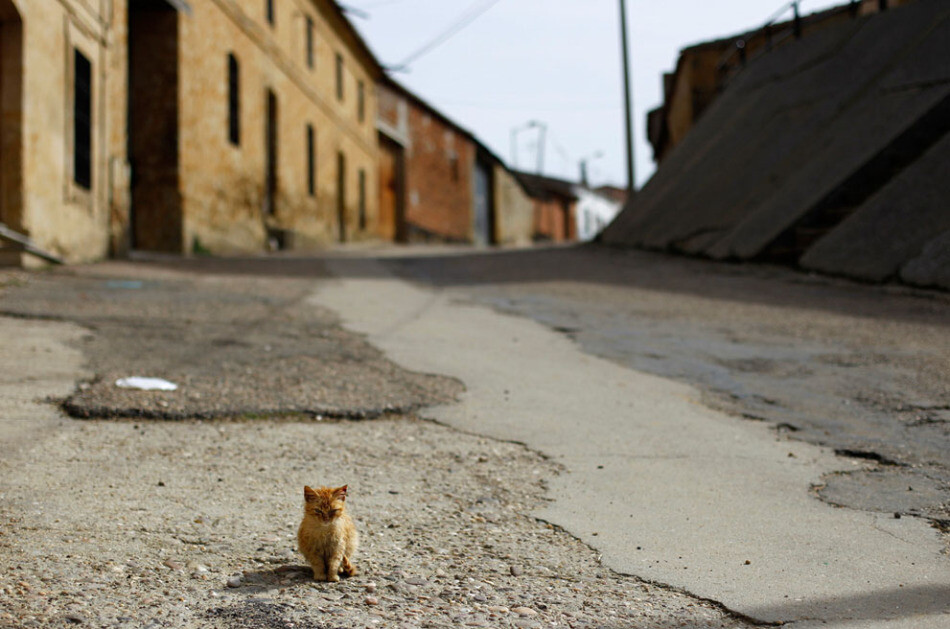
{"points": [[11, 115]]}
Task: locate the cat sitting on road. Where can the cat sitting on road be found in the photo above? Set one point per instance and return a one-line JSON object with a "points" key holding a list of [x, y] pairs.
{"points": [[327, 536]]}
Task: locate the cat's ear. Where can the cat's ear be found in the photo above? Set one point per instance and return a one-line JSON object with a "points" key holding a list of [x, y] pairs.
{"points": [[340, 492], [309, 495]]}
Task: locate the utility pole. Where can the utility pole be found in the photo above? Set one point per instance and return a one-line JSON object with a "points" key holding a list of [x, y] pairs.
{"points": [[628, 100], [542, 131]]}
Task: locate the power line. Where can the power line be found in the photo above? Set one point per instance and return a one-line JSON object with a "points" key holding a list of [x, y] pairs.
{"points": [[468, 16], [382, 3]]}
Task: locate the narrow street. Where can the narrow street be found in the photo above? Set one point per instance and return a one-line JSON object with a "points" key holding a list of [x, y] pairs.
{"points": [[563, 437]]}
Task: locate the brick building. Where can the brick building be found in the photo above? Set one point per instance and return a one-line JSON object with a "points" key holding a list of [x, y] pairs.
{"points": [[212, 125], [703, 69], [554, 204], [438, 182]]}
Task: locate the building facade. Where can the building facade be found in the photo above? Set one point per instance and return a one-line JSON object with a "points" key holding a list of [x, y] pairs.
{"points": [[593, 212], [554, 203], [220, 126], [273, 107], [439, 183], [63, 172]]}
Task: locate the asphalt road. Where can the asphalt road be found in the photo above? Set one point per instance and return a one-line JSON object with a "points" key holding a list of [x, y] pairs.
{"points": [[811, 394], [179, 508], [709, 490], [861, 369]]}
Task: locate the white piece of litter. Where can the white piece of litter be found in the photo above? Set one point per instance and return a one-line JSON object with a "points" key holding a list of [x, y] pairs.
{"points": [[146, 384]]}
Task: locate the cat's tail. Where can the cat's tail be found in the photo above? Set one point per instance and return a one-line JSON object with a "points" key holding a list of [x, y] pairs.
{"points": [[347, 569]]}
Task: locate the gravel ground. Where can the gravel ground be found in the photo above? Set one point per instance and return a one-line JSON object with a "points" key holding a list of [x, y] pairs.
{"points": [[149, 522], [191, 524]]}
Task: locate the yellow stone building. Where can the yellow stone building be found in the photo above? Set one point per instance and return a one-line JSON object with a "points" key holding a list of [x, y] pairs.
{"points": [[62, 166], [207, 125]]}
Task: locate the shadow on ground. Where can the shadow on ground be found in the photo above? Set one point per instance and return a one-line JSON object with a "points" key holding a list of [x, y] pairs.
{"points": [[903, 602], [593, 264]]}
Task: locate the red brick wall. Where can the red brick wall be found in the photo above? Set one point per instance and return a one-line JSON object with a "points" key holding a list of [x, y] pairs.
{"points": [[439, 167], [554, 221]]}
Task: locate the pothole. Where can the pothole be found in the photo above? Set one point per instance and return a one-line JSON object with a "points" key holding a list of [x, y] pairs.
{"points": [[892, 490]]}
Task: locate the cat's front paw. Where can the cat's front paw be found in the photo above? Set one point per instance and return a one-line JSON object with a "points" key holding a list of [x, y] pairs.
{"points": [[333, 578]]}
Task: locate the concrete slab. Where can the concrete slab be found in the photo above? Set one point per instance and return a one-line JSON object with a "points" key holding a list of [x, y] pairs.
{"points": [[663, 487], [893, 226], [932, 266]]}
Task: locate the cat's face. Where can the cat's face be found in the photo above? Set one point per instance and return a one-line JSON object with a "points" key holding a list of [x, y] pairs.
{"points": [[324, 503]]}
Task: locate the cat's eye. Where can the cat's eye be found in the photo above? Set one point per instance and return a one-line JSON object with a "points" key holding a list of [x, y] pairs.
{"points": [[334, 513]]}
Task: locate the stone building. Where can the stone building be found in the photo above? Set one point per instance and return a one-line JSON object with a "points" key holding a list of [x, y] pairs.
{"points": [[272, 107], [702, 70], [63, 173], [438, 182], [211, 125]]}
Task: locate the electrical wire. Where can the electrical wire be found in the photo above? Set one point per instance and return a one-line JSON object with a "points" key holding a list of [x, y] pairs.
{"points": [[381, 3], [467, 17]]}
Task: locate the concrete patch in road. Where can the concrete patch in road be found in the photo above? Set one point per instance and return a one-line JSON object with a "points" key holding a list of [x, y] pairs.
{"points": [[665, 488]]}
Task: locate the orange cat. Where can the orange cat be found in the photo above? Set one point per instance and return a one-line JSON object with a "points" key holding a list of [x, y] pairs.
{"points": [[327, 536]]}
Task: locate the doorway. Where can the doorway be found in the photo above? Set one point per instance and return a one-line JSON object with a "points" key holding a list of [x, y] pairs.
{"points": [[11, 116], [270, 141], [392, 219], [483, 228], [341, 194], [156, 210]]}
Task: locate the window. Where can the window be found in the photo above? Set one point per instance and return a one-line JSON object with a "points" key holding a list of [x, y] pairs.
{"points": [[339, 76], [309, 38], [270, 12], [454, 166], [362, 199], [341, 194], [234, 102], [311, 161], [270, 173], [360, 102], [82, 121]]}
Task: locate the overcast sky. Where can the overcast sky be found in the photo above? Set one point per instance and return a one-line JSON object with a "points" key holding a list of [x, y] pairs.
{"points": [[555, 61]]}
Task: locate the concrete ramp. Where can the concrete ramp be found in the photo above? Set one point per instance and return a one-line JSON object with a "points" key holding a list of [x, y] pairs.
{"points": [[803, 139], [896, 231]]}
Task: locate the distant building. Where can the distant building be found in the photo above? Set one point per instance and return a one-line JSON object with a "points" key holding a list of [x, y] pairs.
{"points": [[554, 202], [593, 212], [614, 193], [702, 69], [438, 182]]}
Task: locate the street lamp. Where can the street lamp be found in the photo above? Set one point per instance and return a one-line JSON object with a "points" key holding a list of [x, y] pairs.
{"points": [[542, 130], [583, 165]]}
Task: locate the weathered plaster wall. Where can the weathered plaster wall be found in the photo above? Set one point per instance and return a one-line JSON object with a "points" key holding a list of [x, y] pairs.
{"points": [[55, 212], [223, 185], [513, 210]]}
